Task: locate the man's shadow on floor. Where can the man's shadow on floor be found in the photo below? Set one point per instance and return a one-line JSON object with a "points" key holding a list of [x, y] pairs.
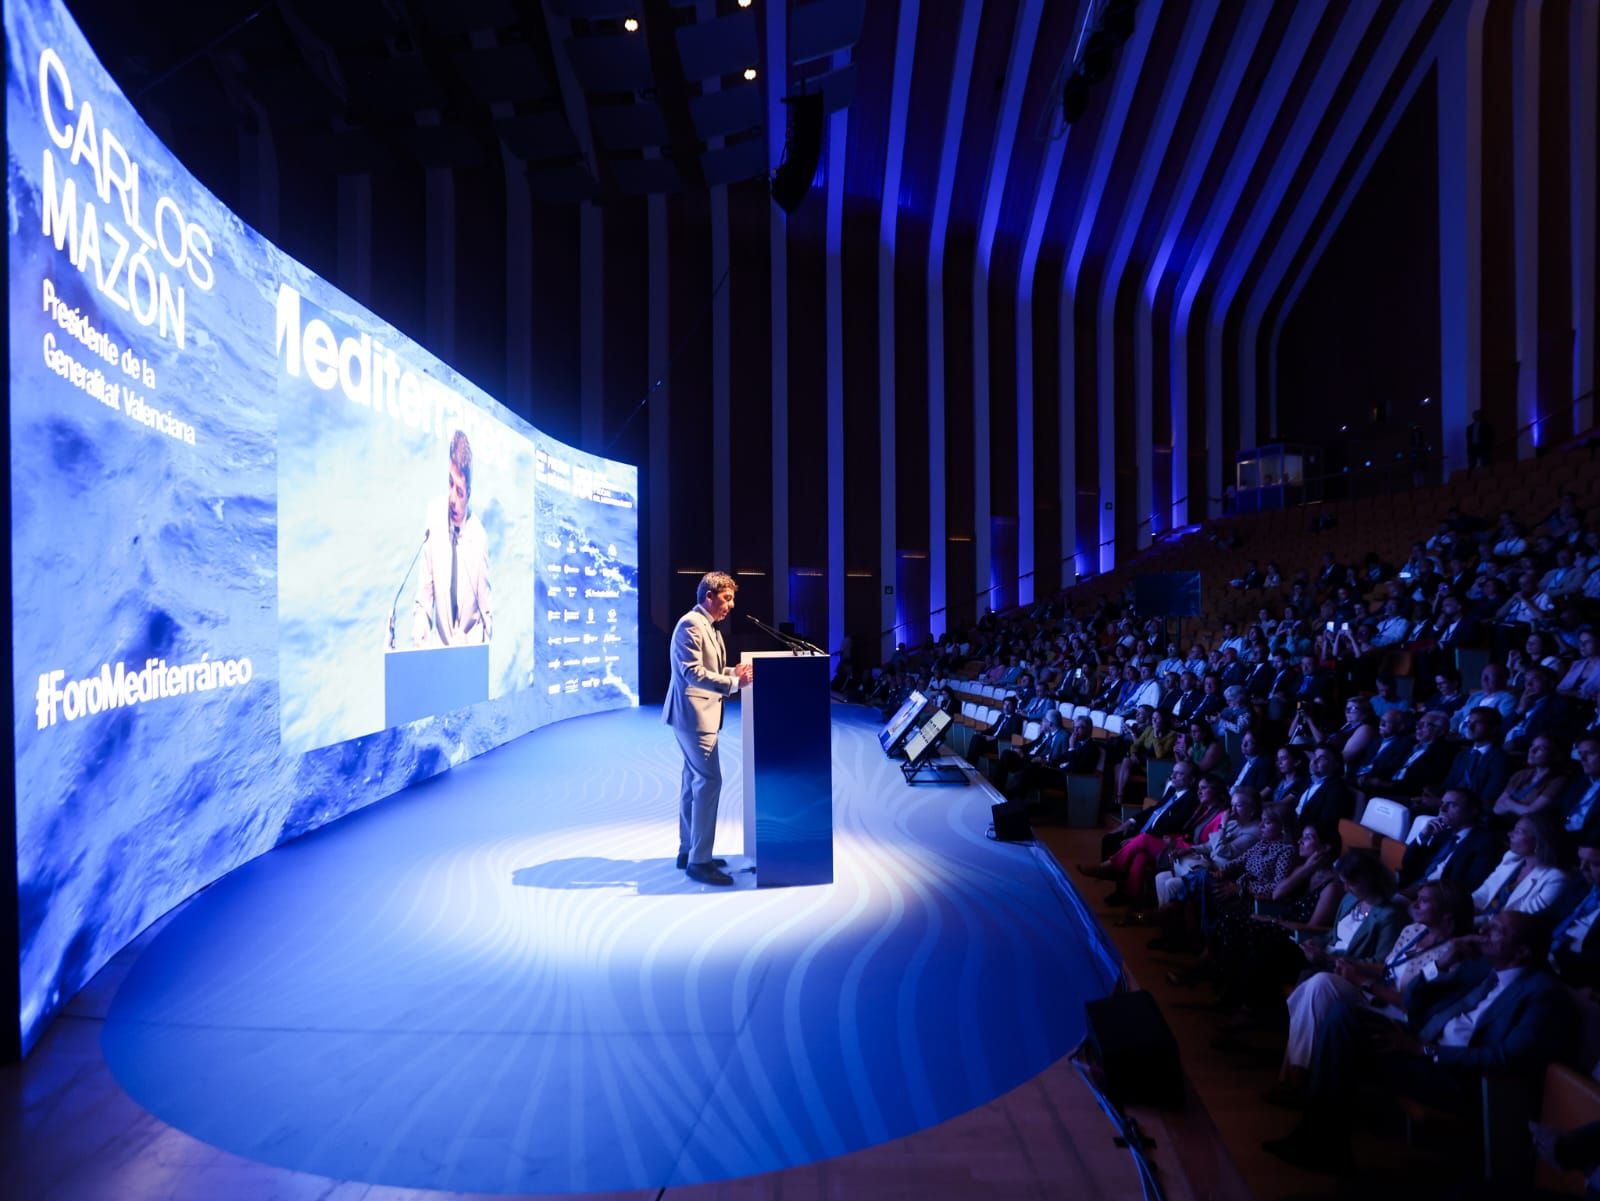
{"points": [[645, 877]]}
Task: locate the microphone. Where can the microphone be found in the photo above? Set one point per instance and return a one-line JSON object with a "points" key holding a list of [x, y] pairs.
{"points": [[796, 645], [395, 608]]}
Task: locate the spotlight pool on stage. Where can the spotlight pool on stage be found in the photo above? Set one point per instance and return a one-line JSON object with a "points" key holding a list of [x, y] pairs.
{"points": [[498, 981]]}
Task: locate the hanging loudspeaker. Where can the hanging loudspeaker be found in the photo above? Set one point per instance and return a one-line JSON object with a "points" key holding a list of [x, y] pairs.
{"points": [[801, 151]]}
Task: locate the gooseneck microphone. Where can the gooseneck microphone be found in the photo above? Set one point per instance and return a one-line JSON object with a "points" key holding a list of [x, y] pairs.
{"points": [[798, 645], [394, 609]]}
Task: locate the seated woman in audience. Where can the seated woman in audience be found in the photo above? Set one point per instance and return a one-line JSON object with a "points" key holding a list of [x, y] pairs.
{"points": [[1309, 892], [1536, 787], [1273, 578], [1441, 912], [1531, 878], [1357, 910], [1294, 775], [1153, 741], [1237, 714], [1221, 842], [1205, 749], [1355, 740], [1538, 649]]}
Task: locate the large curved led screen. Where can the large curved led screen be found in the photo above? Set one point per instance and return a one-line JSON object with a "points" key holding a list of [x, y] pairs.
{"points": [[271, 560]]}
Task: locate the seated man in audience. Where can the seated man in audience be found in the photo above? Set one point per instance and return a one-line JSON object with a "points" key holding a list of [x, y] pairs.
{"points": [[1425, 765], [1580, 804], [1540, 711], [1393, 748], [1327, 798], [1574, 947], [1040, 703], [1255, 769], [1481, 767], [1169, 815], [1454, 847], [999, 734], [1013, 770], [1492, 691], [1500, 1013]]}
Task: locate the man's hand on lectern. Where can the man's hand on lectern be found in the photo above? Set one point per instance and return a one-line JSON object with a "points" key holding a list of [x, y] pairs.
{"points": [[746, 672]]}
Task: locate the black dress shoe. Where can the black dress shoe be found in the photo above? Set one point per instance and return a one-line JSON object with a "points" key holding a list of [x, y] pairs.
{"points": [[683, 862], [708, 873]]}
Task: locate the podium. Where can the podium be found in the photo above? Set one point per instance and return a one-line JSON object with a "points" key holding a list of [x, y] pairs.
{"points": [[436, 679], [788, 769]]}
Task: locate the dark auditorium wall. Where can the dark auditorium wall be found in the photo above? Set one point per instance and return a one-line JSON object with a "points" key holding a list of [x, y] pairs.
{"points": [[1021, 258], [1359, 349]]}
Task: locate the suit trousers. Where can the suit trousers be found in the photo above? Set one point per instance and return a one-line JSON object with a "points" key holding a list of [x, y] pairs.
{"points": [[699, 793]]}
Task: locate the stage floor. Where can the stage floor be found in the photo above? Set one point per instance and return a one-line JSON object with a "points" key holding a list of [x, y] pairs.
{"points": [[499, 982]]}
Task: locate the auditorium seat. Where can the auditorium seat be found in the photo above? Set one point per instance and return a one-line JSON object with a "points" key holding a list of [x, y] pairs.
{"points": [[1388, 818], [1570, 1100]]}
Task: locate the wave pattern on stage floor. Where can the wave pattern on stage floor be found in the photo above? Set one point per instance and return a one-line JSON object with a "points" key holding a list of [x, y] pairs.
{"points": [[499, 981]]}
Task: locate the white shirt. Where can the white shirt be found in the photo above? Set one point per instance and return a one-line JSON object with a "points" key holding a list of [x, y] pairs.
{"points": [[432, 622], [1580, 811], [1439, 864], [1458, 1030]]}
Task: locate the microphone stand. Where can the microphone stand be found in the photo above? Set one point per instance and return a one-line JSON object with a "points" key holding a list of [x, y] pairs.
{"points": [[394, 609], [797, 646]]}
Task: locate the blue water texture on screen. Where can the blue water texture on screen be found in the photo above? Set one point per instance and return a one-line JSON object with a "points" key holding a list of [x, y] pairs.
{"points": [[276, 540]]}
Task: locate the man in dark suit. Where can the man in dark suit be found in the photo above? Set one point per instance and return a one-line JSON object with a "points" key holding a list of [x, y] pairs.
{"points": [[1579, 804], [1426, 764], [1574, 946], [1481, 767], [1456, 628], [1453, 847], [1327, 798], [1014, 769], [1540, 711], [1258, 683], [1480, 440], [1393, 749], [999, 734], [1501, 1013], [1255, 771], [1170, 814]]}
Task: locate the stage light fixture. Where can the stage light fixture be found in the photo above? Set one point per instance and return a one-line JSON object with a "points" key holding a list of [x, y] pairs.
{"points": [[749, 72], [631, 24], [1074, 98], [744, 3]]}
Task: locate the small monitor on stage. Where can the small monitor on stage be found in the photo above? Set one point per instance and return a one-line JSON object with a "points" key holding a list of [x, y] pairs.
{"points": [[894, 735], [922, 765]]}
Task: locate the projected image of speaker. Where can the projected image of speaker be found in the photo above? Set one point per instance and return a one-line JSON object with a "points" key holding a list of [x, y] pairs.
{"points": [[907, 719], [1167, 594]]}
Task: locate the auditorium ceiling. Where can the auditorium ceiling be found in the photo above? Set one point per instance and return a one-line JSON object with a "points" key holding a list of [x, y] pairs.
{"points": [[1224, 132]]}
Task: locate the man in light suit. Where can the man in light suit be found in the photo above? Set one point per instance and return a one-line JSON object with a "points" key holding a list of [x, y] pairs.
{"points": [[701, 680], [452, 603]]}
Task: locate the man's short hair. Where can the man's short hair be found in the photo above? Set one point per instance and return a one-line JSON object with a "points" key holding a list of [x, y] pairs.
{"points": [[716, 581], [461, 457]]}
